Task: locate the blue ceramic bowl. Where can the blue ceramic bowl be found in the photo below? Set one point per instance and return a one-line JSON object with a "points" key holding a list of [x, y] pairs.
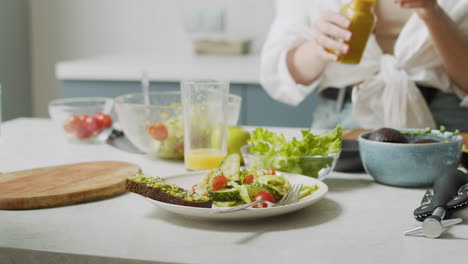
{"points": [[410, 165]]}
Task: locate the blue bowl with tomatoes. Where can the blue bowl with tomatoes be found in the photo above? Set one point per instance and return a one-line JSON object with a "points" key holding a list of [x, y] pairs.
{"points": [[83, 119]]}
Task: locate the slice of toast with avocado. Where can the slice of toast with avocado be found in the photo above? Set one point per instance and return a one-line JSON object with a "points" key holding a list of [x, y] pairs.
{"points": [[158, 189]]}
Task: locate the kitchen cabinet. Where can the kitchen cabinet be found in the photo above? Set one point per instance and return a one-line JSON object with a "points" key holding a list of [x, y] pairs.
{"points": [[116, 74], [258, 108]]}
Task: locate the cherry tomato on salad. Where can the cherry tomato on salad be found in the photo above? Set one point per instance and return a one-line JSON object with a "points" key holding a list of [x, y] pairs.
{"points": [[158, 132], [263, 196], [194, 188], [71, 124], [92, 124], [179, 148], [105, 120], [249, 179], [271, 171], [219, 182]]}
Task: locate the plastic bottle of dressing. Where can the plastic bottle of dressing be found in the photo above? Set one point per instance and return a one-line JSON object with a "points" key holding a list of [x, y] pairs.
{"points": [[362, 16]]}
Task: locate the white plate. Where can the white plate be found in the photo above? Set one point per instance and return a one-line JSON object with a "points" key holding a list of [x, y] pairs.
{"points": [[187, 180]]}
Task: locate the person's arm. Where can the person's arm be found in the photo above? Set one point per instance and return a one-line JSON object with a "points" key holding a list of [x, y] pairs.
{"points": [[307, 61], [450, 43], [287, 53]]}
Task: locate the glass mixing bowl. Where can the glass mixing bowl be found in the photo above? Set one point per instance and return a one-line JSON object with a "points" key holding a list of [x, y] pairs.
{"points": [[157, 128], [84, 119]]}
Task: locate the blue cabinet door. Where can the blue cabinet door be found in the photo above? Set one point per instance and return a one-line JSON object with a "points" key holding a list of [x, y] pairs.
{"points": [[91, 88], [262, 110], [258, 108], [84, 88]]}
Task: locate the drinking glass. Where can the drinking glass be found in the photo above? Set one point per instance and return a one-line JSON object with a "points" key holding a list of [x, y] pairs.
{"points": [[205, 109]]}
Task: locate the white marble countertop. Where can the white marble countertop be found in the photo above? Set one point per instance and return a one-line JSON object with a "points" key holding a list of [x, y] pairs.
{"points": [[358, 221], [129, 67]]}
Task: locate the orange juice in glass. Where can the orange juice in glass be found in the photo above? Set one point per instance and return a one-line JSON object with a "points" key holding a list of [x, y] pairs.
{"points": [[204, 103], [203, 159]]}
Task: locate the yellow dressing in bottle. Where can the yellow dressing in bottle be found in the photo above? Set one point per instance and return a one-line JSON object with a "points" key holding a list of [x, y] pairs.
{"points": [[362, 17]]}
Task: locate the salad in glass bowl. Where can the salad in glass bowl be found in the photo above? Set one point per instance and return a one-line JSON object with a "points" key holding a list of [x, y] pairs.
{"points": [[313, 155], [156, 126]]}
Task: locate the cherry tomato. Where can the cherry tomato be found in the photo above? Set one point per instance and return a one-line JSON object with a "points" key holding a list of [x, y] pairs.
{"points": [[219, 182], [194, 188], [92, 124], [271, 171], [71, 124], [249, 179], [105, 120], [74, 125], [179, 148], [83, 117], [158, 132], [264, 196], [81, 132]]}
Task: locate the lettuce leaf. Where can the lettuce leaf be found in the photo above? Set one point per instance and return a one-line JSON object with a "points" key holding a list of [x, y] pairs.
{"points": [[286, 155]]}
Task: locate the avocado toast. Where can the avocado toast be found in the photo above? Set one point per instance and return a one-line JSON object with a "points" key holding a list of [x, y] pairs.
{"points": [[158, 189]]}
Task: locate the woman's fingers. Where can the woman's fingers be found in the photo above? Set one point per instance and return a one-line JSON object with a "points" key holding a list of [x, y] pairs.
{"points": [[424, 8], [331, 44], [331, 32], [327, 56], [415, 3], [327, 28], [335, 18]]}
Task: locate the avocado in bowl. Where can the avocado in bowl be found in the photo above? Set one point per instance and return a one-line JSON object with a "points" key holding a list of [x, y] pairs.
{"points": [[415, 160]]}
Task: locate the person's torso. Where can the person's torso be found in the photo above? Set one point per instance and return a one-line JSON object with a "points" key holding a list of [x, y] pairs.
{"points": [[390, 20], [397, 31]]}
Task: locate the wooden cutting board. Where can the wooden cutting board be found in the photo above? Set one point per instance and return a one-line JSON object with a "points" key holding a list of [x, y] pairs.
{"points": [[64, 185], [354, 134]]}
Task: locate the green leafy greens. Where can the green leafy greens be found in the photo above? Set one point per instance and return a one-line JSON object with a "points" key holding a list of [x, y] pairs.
{"points": [[284, 155]]}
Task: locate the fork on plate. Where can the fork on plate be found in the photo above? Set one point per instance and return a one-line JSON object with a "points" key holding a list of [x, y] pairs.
{"points": [[291, 196]]}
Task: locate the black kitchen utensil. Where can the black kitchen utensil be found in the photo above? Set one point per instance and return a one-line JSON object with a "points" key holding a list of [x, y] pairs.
{"points": [[457, 201], [349, 160], [449, 195], [118, 140]]}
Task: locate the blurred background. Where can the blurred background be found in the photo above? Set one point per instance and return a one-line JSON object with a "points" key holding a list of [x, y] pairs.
{"points": [[38, 34]]}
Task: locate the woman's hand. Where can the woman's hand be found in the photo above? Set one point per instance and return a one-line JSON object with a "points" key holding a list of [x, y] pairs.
{"points": [[424, 8], [307, 61], [331, 28], [450, 42]]}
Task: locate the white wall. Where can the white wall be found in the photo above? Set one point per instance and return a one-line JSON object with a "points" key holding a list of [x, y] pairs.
{"points": [[71, 29]]}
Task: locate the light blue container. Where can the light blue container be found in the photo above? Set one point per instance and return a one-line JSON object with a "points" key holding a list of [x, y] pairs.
{"points": [[410, 165]]}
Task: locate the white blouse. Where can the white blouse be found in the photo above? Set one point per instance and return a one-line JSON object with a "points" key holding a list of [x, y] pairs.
{"points": [[388, 95]]}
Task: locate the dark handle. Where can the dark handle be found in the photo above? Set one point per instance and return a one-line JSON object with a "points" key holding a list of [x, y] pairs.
{"points": [[446, 187]]}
